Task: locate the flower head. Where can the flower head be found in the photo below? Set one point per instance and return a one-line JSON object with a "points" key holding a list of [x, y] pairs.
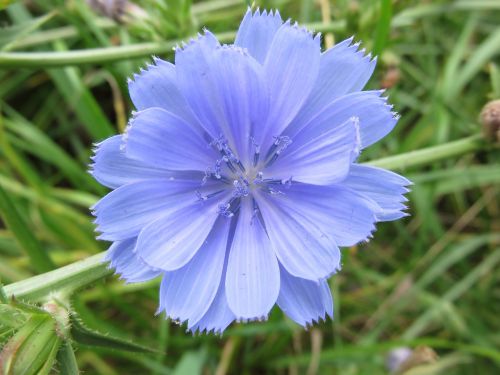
{"points": [[237, 180]]}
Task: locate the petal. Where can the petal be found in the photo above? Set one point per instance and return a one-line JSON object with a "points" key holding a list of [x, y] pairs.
{"points": [[304, 301], [302, 247], [157, 87], [161, 139], [171, 241], [229, 97], [257, 31], [122, 258], [218, 316], [343, 214], [122, 213], [291, 68], [384, 187], [188, 292], [376, 118], [343, 69], [252, 279], [112, 168], [315, 157], [193, 63]]}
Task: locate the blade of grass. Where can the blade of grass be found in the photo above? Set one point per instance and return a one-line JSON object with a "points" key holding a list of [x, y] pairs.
{"points": [[40, 260], [383, 27]]}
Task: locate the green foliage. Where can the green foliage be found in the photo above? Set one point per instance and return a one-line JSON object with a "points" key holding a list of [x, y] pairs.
{"points": [[431, 280]]}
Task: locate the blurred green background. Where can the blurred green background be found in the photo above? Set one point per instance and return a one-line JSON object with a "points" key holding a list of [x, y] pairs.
{"points": [[430, 281]]}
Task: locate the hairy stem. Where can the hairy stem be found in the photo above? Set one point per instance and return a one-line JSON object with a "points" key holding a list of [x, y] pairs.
{"points": [[62, 281]]}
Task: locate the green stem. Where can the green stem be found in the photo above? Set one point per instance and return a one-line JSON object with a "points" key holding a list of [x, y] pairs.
{"points": [[66, 280], [63, 281], [429, 155], [116, 53]]}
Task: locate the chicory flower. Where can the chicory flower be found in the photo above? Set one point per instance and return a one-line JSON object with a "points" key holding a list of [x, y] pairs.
{"points": [[237, 179]]}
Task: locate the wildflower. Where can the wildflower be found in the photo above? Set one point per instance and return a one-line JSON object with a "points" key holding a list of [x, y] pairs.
{"points": [[237, 179]]}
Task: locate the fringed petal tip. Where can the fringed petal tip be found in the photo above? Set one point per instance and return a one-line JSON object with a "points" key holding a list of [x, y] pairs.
{"points": [[152, 66], [319, 319], [264, 13], [296, 26], [355, 47], [206, 36], [194, 329]]}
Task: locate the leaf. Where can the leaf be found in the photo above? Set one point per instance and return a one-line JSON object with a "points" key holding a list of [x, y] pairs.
{"points": [[67, 360], [11, 317], [84, 335], [191, 363]]}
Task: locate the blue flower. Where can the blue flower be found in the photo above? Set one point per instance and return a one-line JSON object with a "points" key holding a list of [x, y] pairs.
{"points": [[237, 181]]}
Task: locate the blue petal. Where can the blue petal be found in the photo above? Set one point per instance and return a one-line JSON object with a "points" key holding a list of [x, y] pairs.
{"points": [[343, 69], [342, 213], [161, 139], [218, 316], [112, 168], [157, 87], [252, 279], [319, 155], [193, 65], [229, 96], [291, 68], [171, 241], [384, 187], [257, 31], [122, 213], [188, 292], [376, 118], [304, 301], [302, 247], [123, 259]]}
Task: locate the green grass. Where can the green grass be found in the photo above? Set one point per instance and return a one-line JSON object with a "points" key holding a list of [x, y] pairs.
{"points": [[430, 280]]}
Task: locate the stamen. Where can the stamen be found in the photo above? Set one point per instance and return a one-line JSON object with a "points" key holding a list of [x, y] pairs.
{"points": [[287, 182], [229, 208], [202, 198], [241, 186], [217, 169], [224, 210], [280, 144], [259, 178], [274, 191]]}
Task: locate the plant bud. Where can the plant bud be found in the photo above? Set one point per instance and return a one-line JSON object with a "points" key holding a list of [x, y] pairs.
{"points": [[490, 120], [33, 348]]}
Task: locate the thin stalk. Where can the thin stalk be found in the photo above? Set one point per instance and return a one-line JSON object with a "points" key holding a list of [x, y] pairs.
{"points": [[66, 280], [431, 154], [116, 53], [62, 281]]}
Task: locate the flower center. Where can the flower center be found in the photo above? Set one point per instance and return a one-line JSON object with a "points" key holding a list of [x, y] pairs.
{"points": [[243, 179]]}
